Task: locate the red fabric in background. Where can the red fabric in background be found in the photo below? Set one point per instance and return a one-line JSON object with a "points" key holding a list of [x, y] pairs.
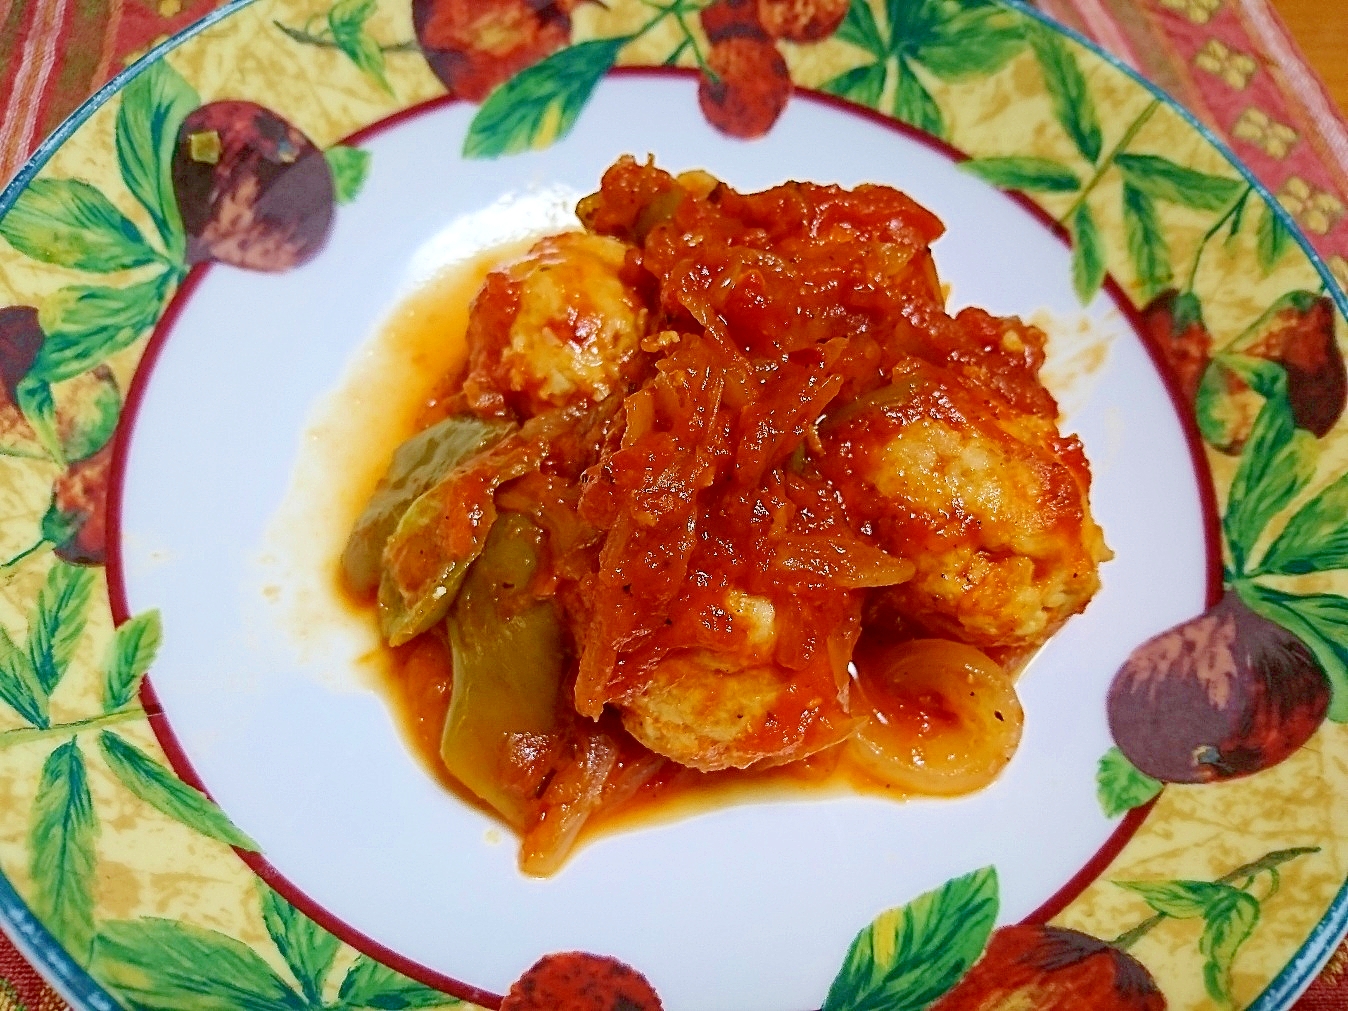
{"points": [[1329, 991], [1233, 64], [1230, 61], [22, 989]]}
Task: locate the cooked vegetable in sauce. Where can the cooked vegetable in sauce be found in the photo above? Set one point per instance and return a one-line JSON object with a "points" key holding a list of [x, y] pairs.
{"points": [[723, 487]]}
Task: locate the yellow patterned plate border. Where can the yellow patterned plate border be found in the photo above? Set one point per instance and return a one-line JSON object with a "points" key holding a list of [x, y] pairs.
{"points": [[125, 884]]}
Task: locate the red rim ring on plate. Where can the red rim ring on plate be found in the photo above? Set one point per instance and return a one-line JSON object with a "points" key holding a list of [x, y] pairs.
{"points": [[263, 868]]}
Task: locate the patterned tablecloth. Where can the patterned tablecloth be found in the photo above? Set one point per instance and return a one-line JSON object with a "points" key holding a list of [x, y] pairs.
{"points": [[1230, 61]]}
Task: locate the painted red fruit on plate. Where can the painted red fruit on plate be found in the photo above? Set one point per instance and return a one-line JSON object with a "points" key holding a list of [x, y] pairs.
{"points": [[474, 45], [1226, 694], [801, 20], [252, 189], [77, 520], [1299, 335], [576, 981], [1053, 969], [747, 87], [1173, 324], [728, 19]]}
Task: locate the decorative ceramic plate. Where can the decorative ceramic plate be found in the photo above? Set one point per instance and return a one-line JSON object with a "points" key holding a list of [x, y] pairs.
{"points": [[173, 376]]}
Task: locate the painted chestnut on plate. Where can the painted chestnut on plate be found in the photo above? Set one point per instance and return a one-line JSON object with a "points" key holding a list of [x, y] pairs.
{"points": [[252, 189], [21, 338], [1053, 969], [1225, 694]]}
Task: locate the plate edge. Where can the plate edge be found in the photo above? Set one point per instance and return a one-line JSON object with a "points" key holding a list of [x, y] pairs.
{"points": [[75, 985], [36, 943]]}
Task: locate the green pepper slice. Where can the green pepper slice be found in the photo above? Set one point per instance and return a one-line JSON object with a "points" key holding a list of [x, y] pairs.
{"points": [[509, 656], [417, 464]]}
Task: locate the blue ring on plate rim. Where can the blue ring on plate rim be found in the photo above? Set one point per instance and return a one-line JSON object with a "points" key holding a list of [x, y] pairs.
{"points": [[36, 943], [82, 991]]}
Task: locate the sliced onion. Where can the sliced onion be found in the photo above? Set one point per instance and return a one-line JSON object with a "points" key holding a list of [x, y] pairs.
{"points": [[944, 719]]}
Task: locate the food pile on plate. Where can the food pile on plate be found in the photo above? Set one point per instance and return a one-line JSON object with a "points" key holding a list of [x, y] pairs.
{"points": [[723, 486]]}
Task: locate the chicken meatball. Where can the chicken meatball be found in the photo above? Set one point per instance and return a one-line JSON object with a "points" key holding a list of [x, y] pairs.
{"points": [[559, 328], [989, 502], [712, 709]]}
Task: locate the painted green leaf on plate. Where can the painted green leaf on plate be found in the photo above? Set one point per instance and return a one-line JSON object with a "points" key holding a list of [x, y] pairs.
{"points": [[1122, 786], [540, 104], [134, 646], [57, 622], [86, 324], [58, 527], [1147, 245], [1072, 102], [1230, 920], [1162, 179], [1315, 538], [1238, 216], [1220, 420], [164, 791], [68, 223], [909, 956], [19, 686], [1320, 620], [1268, 379], [913, 102], [61, 856], [1088, 254], [910, 23], [349, 167], [1179, 899], [863, 85], [1276, 463], [307, 948], [165, 965], [38, 406], [1039, 175], [859, 28], [1229, 916], [371, 984], [1216, 422], [973, 43], [346, 21], [1272, 238], [350, 15], [153, 107]]}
